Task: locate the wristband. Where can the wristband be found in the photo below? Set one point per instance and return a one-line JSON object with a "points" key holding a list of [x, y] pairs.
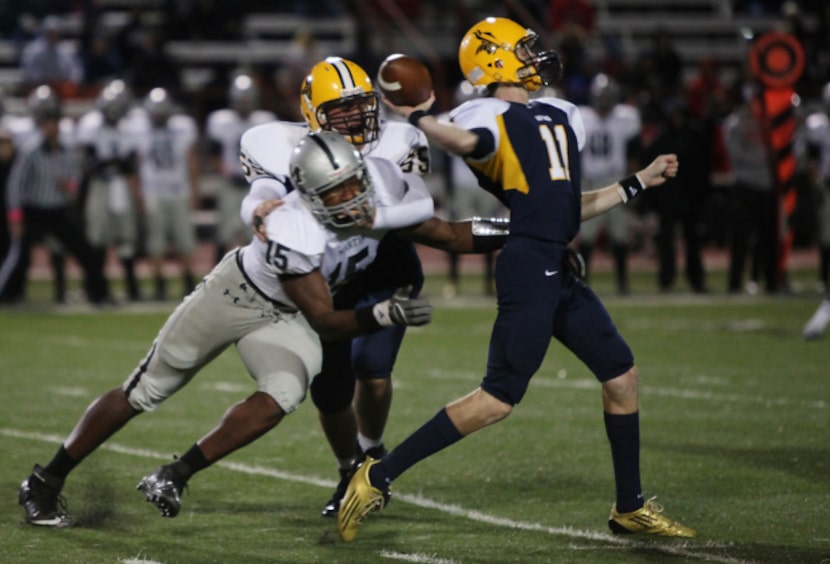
{"points": [[630, 187], [415, 116], [366, 321]]}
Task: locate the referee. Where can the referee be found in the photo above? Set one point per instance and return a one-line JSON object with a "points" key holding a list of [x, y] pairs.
{"points": [[41, 188]]}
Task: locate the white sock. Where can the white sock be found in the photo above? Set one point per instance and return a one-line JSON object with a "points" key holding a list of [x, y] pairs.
{"points": [[366, 443]]}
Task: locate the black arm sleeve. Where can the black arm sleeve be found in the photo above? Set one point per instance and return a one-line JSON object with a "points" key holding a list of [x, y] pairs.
{"points": [[485, 145]]}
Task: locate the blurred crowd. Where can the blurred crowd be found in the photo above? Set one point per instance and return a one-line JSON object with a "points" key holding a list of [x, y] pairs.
{"points": [[639, 104]]}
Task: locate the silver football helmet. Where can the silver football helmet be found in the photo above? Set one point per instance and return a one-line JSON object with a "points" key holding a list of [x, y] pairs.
{"points": [[325, 161], [43, 104], [114, 100], [159, 106], [604, 92], [243, 94]]}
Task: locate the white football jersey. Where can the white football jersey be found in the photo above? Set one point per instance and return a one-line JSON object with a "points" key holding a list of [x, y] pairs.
{"points": [[163, 156], [108, 141], [817, 132], [298, 243], [265, 153], [604, 157], [226, 127]]}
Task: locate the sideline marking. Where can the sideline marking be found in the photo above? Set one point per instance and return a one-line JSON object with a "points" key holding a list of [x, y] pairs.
{"points": [[421, 558], [677, 549]]}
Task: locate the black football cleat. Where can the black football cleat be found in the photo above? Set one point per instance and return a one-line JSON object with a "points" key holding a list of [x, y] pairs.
{"points": [[163, 488], [39, 494]]}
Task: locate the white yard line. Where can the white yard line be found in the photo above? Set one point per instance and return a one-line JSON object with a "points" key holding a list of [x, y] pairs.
{"points": [[685, 549], [421, 558]]}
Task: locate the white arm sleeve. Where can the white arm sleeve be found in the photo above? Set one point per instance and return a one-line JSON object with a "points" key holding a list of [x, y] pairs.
{"points": [[402, 198], [263, 188], [404, 214]]}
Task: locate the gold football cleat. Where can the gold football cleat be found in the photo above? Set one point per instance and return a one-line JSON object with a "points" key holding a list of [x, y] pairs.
{"points": [[361, 499], [647, 520]]}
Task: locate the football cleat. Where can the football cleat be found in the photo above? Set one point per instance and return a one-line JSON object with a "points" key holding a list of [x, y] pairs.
{"points": [[39, 494], [361, 499], [818, 322], [333, 505], [163, 488], [647, 520]]}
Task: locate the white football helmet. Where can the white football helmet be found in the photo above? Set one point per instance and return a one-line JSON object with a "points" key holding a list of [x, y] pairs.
{"points": [[324, 162]]}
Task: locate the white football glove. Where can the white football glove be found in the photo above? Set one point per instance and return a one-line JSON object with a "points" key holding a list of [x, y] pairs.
{"points": [[402, 310]]}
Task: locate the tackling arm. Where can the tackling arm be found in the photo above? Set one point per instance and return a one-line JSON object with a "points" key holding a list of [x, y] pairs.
{"points": [[460, 236], [311, 294]]}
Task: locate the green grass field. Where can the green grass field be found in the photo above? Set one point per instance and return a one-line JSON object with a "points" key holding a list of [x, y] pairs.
{"points": [[735, 428]]}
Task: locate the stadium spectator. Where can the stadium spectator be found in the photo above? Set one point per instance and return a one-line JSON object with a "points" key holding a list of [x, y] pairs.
{"points": [[303, 53], [754, 205], [150, 66], [527, 154], [101, 61], [46, 60], [684, 206]]}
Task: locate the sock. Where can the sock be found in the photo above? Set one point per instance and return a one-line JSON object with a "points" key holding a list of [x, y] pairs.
{"points": [[191, 462], [624, 435], [366, 443], [345, 463], [436, 434], [61, 465]]}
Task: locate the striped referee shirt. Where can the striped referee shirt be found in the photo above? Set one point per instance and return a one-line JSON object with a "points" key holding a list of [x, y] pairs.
{"points": [[36, 175]]}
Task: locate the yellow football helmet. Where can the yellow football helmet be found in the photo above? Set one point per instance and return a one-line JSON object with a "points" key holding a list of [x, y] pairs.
{"points": [[498, 50], [337, 95]]}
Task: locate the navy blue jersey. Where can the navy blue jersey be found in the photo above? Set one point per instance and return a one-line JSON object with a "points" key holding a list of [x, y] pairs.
{"points": [[534, 166]]}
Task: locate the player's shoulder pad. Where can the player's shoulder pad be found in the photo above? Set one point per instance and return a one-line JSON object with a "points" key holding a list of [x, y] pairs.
{"points": [[405, 132], [88, 124], [571, 111], [387, 180], [472, 113], [626, 112], [220, 118], [259, 117], [182, 122], [269, 145], [817, 121], [292, 225]]}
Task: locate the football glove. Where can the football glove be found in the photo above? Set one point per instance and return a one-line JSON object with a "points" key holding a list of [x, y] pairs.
{"points": [[402, 310]]}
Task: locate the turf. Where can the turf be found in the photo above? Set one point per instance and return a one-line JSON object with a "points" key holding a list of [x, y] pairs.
{"points": [[735, 416]]}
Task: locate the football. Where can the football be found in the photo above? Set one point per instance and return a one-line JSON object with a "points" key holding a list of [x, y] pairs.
{"points": [[404, 80]]}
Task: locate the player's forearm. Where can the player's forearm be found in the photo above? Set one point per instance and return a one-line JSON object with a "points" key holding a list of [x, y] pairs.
{"points": [[597, 202], [448, 136]]}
